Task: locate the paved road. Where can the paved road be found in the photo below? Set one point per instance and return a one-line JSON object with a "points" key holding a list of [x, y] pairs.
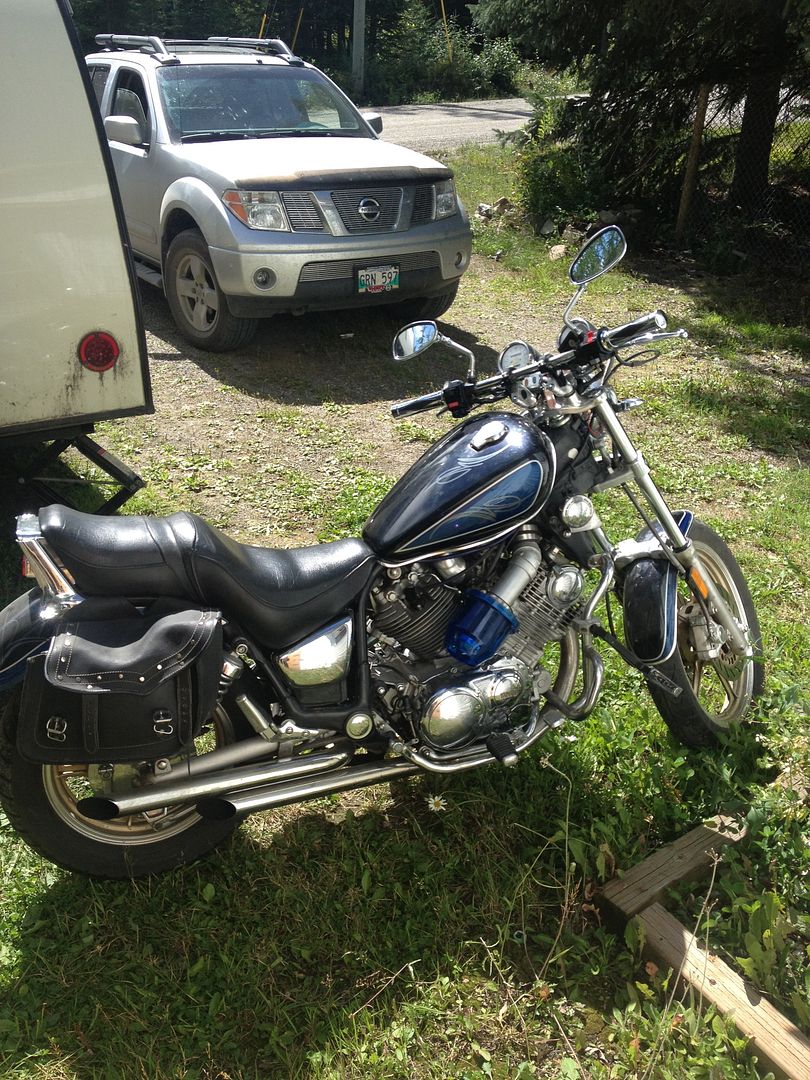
{"points": [[433, 127]]}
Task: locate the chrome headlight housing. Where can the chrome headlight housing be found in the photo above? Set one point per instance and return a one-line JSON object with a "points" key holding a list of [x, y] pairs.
{"points": [[446, 202], [257, 209]]}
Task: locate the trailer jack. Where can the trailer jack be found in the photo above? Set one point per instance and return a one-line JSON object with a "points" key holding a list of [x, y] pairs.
{"points": [[128, 480]]}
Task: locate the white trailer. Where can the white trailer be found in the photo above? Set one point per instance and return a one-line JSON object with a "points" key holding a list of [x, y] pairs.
{"points": [[72, 347]]}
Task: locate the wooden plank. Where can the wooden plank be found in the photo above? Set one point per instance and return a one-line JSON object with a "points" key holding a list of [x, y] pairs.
{"points": [[688, 857], [779, 1043]]}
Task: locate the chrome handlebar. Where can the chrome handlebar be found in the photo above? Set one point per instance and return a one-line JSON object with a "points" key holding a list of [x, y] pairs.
{"points": [[642, 331]]}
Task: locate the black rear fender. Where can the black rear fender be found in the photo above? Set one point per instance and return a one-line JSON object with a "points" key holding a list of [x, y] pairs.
{"points": [[23, 633]]}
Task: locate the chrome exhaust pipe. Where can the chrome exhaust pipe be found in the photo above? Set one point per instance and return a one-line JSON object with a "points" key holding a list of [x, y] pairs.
{"points": [[103, 808], [238, 753], [264, 798]]}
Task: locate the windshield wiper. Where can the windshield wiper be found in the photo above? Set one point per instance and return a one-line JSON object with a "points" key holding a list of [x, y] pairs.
{"points": [[293, 133], [212, 136], [270, 133]]}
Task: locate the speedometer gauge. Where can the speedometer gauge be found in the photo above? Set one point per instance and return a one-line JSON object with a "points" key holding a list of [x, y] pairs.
{"points": [[515, 354]]}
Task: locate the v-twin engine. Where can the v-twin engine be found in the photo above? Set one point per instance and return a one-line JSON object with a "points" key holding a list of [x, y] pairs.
{"points": [[495, 630], [471, 708]]}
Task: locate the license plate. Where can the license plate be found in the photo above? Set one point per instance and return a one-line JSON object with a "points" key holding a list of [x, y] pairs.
{"points": [[377, 279]]}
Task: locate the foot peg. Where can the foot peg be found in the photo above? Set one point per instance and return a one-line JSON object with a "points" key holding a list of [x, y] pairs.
{"points": [[502, 748]]}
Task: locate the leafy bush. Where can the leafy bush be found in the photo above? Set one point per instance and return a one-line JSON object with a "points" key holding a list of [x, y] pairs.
{"points": [[418, 61], [555, 184], [556, 180]]}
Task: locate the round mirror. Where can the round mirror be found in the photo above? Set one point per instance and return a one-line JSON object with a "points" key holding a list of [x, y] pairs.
{"points": [[600, 254], [515, 354], [414, 339]]}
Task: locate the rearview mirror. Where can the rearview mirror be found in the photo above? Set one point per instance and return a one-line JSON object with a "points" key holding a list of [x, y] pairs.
{"points": [[602, 252], [414, 339]]}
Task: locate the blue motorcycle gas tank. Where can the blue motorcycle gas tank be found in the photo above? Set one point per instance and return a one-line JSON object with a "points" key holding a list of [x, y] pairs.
{"points": [[488, 474]]}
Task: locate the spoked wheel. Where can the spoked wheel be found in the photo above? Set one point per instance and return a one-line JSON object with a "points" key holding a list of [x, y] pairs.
{"points": [[717, 684], [41, 802], [198, 305]]}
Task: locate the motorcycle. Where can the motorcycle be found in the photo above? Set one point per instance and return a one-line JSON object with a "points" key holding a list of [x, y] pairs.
{"points": [[167, 681]]}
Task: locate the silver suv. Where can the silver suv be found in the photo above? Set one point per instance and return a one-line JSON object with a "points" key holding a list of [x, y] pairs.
{"points": [[251, 185]]}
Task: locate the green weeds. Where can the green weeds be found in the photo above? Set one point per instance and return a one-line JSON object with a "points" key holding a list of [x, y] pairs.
{"points": [[446, 929]]}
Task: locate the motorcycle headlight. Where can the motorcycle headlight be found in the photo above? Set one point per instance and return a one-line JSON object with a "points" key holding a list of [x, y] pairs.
{"points": [[446, 204], [257, 209]]}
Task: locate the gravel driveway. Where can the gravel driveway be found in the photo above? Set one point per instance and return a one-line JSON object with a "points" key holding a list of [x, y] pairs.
{"points": [[429, 128]]}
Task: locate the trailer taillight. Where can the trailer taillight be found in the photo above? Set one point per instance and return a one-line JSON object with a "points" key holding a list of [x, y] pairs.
{"points": [[98, 351]]}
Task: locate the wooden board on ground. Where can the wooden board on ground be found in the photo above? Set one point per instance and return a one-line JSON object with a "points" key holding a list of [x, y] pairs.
{"points": [[688, 857], [778, 1042]]}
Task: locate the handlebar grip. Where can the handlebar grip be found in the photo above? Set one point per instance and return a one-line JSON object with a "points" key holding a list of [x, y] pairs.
{"points": [[646, 324], [417, 404]]}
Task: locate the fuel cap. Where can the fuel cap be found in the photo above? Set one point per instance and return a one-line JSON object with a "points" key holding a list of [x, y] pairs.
{"points": [[490, 434]]}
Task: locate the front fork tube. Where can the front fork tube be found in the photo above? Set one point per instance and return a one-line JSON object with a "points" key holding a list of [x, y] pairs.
{"points": [[682, 548]]}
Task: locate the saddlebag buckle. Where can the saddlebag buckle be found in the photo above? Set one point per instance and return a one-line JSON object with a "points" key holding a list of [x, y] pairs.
{"points": [[124, 689]]}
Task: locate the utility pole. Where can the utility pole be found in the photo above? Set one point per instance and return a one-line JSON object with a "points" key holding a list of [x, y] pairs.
{"points": [[359, 48]]}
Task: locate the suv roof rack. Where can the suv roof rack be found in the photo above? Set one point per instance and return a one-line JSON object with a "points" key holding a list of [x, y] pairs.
{"points": [[160, 48]]}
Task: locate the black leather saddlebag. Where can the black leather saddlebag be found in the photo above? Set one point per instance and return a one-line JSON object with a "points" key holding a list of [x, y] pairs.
{"points": [[124, 689]]}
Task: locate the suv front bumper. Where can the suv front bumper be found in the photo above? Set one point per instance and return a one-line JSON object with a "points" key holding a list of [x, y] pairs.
{"points": [[314, 273]]}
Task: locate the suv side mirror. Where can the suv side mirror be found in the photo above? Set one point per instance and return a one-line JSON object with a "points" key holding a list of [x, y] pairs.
{"points": [[124, 129], [374, 121]]}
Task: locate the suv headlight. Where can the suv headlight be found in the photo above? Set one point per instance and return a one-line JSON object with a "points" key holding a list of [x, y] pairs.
{"points": [[446, 204], [257, 209]]}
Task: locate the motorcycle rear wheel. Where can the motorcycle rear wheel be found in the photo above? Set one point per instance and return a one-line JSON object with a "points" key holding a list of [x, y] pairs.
{"points": [[41, 804], [715, 694]]}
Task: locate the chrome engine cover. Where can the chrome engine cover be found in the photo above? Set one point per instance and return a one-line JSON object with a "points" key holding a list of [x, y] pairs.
{"points": [[475, 706]]}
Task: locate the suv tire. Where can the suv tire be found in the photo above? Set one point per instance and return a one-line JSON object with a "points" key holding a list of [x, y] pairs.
{"points": [[428, 307], [197, 303]]}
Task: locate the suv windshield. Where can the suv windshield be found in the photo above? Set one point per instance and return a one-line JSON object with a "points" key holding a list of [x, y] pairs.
{"points": [[210, 101]]}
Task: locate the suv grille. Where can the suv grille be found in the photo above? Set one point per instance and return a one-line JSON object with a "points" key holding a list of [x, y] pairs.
{"points": [[302, 210], [342, 269], [422, 205], [381, 208]]}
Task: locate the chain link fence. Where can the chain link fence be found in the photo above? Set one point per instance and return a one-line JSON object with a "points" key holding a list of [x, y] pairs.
{"points": [[750, 182]]}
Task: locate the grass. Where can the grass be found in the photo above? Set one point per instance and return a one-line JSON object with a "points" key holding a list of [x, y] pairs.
{"points": [[392, 934]]}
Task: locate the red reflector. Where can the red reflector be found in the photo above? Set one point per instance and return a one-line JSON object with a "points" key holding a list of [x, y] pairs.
{"points": [[98, 351]]}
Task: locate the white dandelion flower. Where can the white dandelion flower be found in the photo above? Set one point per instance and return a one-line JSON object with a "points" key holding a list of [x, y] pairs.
{"points": [[436, 803]]}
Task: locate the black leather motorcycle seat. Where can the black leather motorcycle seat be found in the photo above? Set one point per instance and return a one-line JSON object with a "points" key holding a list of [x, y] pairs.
{"points": [[277, 595]]}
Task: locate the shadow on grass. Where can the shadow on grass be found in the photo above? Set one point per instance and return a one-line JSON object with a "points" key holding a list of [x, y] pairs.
{"points": [[306, 933], [761, 388], [773, 414], [767, 312], [341, 356]]}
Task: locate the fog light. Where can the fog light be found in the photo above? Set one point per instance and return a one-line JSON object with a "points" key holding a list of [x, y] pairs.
{"points": [[578, 512], [459, 258], [264, 278]]}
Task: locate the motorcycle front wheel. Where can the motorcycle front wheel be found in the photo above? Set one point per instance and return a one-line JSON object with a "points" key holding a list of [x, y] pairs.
{"points": [[716, 693], [41, 804]]}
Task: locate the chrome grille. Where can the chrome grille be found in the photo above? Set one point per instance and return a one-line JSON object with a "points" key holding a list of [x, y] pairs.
{"points": [[348, 203], [302, 210], [345, 268], [422, 204]]}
